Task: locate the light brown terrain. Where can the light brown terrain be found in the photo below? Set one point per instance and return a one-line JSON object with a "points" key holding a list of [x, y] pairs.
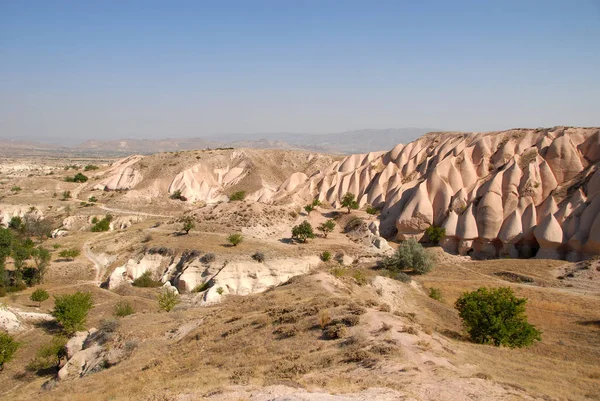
{"points": [[260, 336]]}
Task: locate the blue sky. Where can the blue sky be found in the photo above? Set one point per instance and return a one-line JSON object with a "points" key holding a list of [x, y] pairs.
{"points": [[154, 69]]}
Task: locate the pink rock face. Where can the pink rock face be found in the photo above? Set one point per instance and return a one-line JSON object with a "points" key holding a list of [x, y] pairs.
{"points": [[514, 188]]}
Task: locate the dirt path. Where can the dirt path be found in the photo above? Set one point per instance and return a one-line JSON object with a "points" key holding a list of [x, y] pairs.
{"points": [[99, 264]]}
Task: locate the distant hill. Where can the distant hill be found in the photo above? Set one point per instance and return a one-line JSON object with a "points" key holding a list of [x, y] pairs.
{"points": [[348, 142]]}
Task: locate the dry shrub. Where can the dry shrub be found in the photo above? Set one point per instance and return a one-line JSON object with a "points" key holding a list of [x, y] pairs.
{"points": [[324, 319], [356, 355], [242, 375], [385, 308], [355, 309], [384, 349], [286, 331], [410, 330], [385, 327], [336, 331], [350, 320], [289, 369]]}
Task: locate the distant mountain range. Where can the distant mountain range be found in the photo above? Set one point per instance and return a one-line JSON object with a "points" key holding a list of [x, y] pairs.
{"points": [[348, 142]]}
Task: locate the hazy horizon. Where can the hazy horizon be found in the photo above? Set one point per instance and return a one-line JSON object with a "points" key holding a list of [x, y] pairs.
{"points": [[155, 70]]}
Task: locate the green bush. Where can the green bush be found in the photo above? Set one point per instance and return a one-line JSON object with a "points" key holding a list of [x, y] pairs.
{"points": [[76, 178], [70, 253], [372, 210], [303, 231], [435, 293], [496, 317], [400, 276], [238, 196], [8, 347], [16, 223], [220, 290], [16, 189], [435, 234], [39, 296], [146, 280], [41, 257], [102, 225], [348, 201], [66, 195], [178, 196], [50, 355], [202, 286], [235, 239], [92, 199], [168, 299], [123, 308], [90, 167], [410, 255], [325, 256], [71, 310], [326, 227], [309, 208]]}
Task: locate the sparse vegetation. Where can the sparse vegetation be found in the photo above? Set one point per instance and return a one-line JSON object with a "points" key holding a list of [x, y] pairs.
{"points": [[435, 234], [410, 255], [168, 299], [123, 308], [349, 201], [326, 227], [208, 258], [309, 208], [220, 290], [303, 231], [71, 310], [16, 188], [69, 254], [496, 317], [66, 195], [92, 199], [353, 224], [235, 239], [39, 296], [90, 167], [146, 280], [238, 196]]}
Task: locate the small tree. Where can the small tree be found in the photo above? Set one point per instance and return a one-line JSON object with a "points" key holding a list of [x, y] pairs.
{"points": [[71, 310], [39, 296], [69, 254], [326, 227], [348, 201], [496, 317], [303, 231], [435, 234], [410, 255], [41, 257], [49, 355], [168, 299], [8, 347], [188, 224], [123, 309], [235, 239]]}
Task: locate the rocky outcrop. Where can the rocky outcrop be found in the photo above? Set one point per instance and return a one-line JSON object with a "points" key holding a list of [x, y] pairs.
{"points": [[500, 193], [122, 175]]}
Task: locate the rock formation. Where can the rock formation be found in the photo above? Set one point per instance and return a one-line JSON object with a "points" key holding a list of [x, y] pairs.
{"points": [[518, 192]]}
